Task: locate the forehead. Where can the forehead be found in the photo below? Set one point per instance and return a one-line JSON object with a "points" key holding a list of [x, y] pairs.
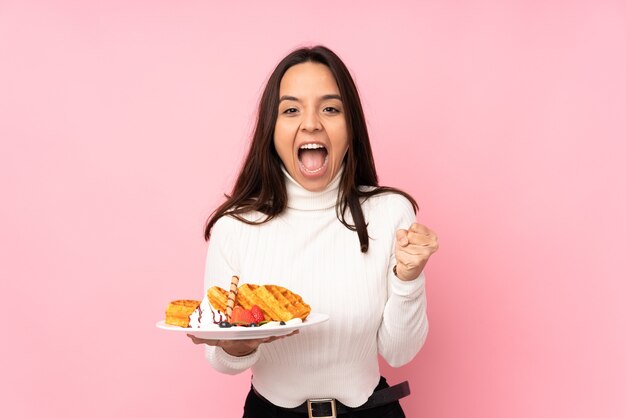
{"points": [[309, 78]]}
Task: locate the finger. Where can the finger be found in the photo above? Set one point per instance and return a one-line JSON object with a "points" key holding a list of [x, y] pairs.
{"points": [[418, 244], [402, 237], [417, 250], [271, 339], [198, 341], [274, 338], [411, 260], [407, 261], [420, 239], [421, 229]]}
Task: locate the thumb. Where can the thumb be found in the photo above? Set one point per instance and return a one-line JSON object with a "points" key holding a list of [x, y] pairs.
{"points": [[402, 237]]}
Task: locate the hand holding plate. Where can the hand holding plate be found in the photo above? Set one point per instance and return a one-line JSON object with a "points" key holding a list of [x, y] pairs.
{"points": [[239, 348]]}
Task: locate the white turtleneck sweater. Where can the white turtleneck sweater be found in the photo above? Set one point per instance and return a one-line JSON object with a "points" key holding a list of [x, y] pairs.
{"points": [[308, 250]]}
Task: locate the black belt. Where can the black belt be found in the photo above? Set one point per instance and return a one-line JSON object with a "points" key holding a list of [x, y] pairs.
{"points": [[329, 408]]}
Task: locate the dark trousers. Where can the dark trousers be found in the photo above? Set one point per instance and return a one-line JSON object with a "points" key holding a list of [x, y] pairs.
{"points": [[256, 407]]}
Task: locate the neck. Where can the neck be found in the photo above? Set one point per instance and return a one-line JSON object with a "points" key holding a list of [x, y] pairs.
{"points": [[302, 199]]}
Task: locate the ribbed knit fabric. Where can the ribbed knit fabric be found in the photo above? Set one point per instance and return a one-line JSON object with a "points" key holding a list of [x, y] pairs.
{"points": [[308, 250]]}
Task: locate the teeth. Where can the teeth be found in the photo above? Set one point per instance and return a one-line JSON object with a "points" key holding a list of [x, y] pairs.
{"points": [[311, 146]]}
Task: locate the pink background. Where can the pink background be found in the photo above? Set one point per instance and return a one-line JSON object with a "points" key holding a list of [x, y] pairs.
{"points": [[123, 122]]}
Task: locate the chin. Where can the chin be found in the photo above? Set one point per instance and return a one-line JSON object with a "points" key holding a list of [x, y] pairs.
{"points": [[315, 185]]}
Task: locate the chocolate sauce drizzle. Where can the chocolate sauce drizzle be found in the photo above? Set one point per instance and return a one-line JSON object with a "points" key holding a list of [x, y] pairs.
{"points": [[213, 314]]}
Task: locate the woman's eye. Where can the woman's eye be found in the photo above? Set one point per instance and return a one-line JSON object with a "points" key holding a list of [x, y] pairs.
{"points": [[290, 110], [330, 109]]}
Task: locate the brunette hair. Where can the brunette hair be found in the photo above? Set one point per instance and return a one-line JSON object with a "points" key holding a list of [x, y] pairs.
{"points": [[260, 185]]}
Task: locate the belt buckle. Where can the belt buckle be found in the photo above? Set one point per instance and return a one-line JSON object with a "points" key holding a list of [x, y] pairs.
{"points": [[321, 408]]}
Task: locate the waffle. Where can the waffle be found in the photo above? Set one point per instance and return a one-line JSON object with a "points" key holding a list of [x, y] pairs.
{"points": [[276, 302], [218, 298], [178, 312]]}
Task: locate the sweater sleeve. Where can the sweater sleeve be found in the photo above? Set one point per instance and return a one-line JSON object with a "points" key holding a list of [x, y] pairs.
{"points": [[221, 265], [404, 325]]}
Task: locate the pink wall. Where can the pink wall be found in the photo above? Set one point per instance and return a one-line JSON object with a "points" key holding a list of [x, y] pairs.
{"points": [[122, 123]]}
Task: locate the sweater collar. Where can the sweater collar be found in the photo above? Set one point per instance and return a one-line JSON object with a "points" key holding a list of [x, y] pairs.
{"points": [[302, 199]]}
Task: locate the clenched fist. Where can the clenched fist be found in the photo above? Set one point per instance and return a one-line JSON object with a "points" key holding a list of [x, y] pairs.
{"points": [[413, 248]]}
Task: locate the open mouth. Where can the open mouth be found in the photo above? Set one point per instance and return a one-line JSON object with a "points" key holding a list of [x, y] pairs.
{"points": [[312, 157]]}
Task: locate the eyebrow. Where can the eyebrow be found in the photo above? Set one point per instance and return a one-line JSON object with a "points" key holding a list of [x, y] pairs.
{"points": [[324, 97]]}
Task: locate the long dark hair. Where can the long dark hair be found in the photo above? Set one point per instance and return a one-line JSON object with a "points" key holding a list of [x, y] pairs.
{"points": [[260, 185]]}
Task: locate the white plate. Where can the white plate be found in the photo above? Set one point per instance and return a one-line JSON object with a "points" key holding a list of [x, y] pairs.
{"points": [[246, 333]]}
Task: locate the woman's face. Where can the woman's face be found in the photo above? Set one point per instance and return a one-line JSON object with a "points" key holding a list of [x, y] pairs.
{"points": [[310, 135]]}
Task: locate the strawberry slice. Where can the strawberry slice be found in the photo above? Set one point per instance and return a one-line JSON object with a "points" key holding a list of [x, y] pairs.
{"points": [[236, 317], [257, 314], [241, 316], [247, 317]]}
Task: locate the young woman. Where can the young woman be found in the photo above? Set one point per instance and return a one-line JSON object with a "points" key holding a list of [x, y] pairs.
{"points": [[307, 213]]}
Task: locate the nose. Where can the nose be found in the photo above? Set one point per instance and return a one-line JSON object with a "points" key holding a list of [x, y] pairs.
{"points": [[311, 122]]}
